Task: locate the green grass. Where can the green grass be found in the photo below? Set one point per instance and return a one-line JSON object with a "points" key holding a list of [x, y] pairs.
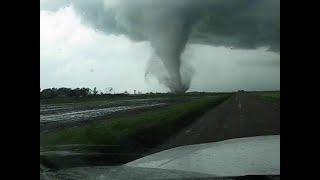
{"points": [[270, 96], [58, 100], [147, 129]]}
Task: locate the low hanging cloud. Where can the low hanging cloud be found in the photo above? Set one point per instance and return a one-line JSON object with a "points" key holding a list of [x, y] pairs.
{"points": [[170, 24]]}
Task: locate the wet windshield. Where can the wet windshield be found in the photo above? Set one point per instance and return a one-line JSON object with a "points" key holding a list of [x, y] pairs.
{"points": [[122, 80]]}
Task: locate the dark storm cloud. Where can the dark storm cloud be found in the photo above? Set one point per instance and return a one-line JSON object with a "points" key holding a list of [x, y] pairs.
{"points": [[170, 24], [265, 63]]}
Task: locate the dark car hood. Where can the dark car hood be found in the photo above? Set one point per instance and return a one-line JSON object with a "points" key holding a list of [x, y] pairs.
{"points": [[258, 155], [231, 158]]}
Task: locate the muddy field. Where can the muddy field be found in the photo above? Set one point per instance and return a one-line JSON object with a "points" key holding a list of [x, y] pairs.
{"points": [[58, 116]]}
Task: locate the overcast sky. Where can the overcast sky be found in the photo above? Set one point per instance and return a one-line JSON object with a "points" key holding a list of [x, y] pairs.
{"points": [[74, 55]]}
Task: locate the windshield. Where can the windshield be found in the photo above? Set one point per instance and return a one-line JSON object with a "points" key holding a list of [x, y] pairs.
{"points": [[122, 80]]}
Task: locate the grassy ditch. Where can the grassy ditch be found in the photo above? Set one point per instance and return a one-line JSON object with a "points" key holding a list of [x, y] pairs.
{"points": [[269, 96]]}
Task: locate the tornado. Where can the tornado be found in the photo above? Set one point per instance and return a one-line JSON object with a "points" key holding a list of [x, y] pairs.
{"points": [[168, 34]]}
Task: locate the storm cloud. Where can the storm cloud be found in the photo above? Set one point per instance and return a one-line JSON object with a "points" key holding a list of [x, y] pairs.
{"points": [[169, 25]]}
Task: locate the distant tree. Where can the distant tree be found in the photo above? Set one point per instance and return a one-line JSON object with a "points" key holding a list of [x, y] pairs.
{"points": [[54, 91], [134, 91], [110, 90], [64, 91], [72, 93], [48, 93], [95, 91], [77, 92], [84, 92], [125, 92]]}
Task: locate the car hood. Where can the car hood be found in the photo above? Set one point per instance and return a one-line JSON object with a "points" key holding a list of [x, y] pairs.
{"points": [[230, 158], [258, 155]]}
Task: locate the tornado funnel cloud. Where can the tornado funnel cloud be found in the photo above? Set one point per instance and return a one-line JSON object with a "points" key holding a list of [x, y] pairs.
{"points": [[170, 42]]}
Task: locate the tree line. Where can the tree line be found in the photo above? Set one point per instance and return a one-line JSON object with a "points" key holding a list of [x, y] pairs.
{"points": [[76, 92]]}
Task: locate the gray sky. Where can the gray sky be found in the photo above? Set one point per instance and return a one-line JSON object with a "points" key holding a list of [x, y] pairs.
{"points": [[75, 55]]}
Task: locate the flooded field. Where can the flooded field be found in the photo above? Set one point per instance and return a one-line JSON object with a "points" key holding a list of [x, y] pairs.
{"points": [[53, 116]]}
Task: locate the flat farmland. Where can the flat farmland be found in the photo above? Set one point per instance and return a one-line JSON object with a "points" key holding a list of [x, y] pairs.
{"points": [[59, 116]]}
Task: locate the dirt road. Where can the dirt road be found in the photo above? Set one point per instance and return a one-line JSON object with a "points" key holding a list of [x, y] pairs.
{"points": [[240, 116]]}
